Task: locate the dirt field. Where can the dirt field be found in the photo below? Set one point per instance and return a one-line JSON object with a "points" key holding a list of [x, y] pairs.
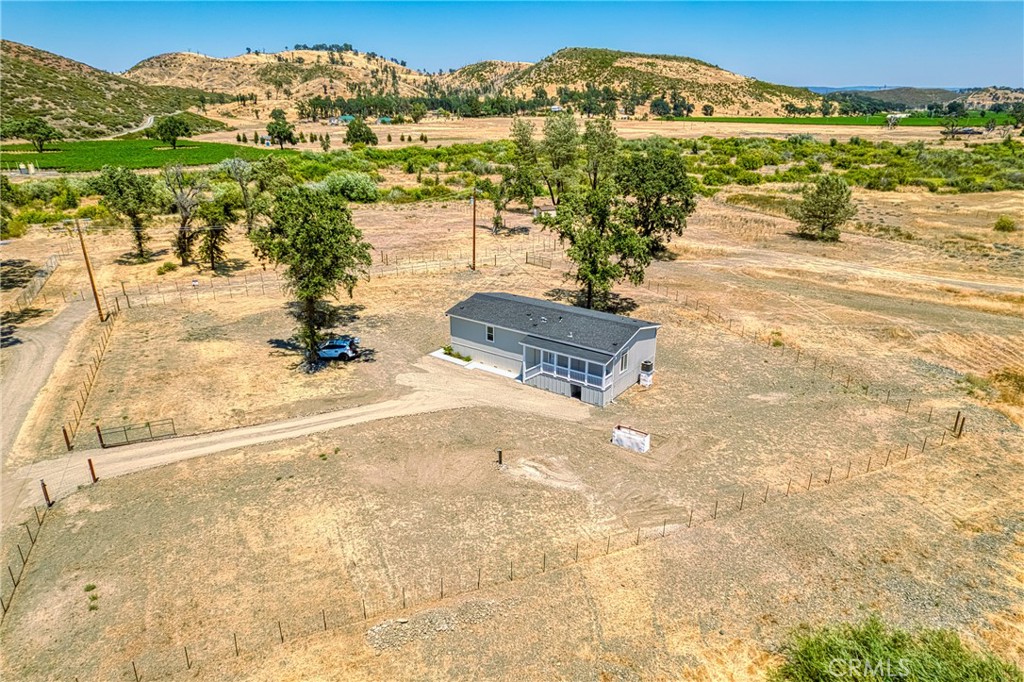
{"points": [[309, 530]]}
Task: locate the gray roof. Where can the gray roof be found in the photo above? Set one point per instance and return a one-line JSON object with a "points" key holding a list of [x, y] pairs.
{"points": [[566, 349], [602, 332]]}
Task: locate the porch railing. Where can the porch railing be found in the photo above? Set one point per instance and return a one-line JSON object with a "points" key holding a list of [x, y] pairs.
{"points": [[567, 373]]}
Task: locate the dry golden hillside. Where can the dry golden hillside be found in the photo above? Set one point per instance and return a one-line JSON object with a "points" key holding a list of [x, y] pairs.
{"points": [[986, 97], [486, 76], [303, 73], [699, 82]]}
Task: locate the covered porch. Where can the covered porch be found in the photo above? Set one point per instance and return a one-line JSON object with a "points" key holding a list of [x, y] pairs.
{"points": [[574, 364]]}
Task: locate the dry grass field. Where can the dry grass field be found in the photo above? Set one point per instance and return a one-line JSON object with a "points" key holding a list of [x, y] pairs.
{"points": [[776, 360]]}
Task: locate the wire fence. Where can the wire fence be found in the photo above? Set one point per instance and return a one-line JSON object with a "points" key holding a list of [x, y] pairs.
{"points": [[31, 290], [840, 374], [71, 427], [19, 558], [436, 583]]}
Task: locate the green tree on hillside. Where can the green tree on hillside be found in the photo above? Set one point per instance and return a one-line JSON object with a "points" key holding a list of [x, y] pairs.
{"points": [[659, 107], [358, 131], [280, 130], [35, 130], [826, 205], [707, 110], [418, 111], [170, 128], [311, 233], [131, 196]]}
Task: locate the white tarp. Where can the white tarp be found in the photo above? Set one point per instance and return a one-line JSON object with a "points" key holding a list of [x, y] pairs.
{"points": [[631, 439]]}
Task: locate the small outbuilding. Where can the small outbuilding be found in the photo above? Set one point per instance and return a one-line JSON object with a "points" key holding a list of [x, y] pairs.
{"points": [[579, 353]]}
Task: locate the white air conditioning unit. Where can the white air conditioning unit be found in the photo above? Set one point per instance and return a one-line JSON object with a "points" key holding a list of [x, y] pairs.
{"points": [[646, 373]]}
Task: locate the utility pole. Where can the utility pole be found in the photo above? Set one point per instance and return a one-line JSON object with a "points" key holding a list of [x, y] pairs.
{"points": [[88, 267], [472, 200]]}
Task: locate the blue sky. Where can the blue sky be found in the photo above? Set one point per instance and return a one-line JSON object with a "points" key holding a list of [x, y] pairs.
{"points": [[800, 43]]}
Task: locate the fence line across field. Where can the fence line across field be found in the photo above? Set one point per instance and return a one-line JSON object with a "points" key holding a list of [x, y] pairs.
{"points": [[83, 390], [438, 582], [836, 372], [38, 280]]}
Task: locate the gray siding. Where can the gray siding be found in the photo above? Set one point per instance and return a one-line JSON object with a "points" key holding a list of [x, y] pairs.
{"points": [[641, 348], [470, 338], [550, 383]]}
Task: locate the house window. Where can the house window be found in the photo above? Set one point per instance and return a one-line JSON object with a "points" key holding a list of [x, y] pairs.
{"points": [[490, 333], [624, 362]]}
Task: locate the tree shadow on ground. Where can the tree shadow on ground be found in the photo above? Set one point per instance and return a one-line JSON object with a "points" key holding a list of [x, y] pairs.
{"points": [[330, 314], [9, 325], [132, 258], [607, 303], [16, 273], [808, 237], [511, 230], [664, 254], [228, 266]]}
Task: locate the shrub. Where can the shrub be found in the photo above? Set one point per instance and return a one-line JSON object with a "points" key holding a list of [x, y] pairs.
{"points": [[835, 651], [1005, 223], [11, 228], [166, 267], [451, 352], [715, 177], [96, 213], [358, 187], [35, 216], [750, 161]]}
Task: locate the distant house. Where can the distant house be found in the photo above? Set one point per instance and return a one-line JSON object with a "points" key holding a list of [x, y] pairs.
{"points": [[579, 353], [556, 109], [346, 118], [545, 209]]}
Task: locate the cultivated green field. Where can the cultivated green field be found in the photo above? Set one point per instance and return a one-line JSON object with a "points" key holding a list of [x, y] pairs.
{"points": [[876, 120], [93, 155]]}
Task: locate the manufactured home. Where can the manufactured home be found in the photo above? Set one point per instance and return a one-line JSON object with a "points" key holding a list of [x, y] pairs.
{"points": [[578, 353]]}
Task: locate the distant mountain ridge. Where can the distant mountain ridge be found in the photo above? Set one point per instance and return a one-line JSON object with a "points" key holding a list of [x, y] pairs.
{"points": [[307, 73], [87, 102]]}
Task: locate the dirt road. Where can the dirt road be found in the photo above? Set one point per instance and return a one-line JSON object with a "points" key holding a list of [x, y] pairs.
{"points": [[432, 389], [27, 363]]}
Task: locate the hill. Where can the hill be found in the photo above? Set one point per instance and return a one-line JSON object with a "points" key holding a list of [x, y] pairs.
{"points": [[699, 82], [986, 97], [283, 75], [912, 98], [488, 76], [280, 79], [82, 101]]}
